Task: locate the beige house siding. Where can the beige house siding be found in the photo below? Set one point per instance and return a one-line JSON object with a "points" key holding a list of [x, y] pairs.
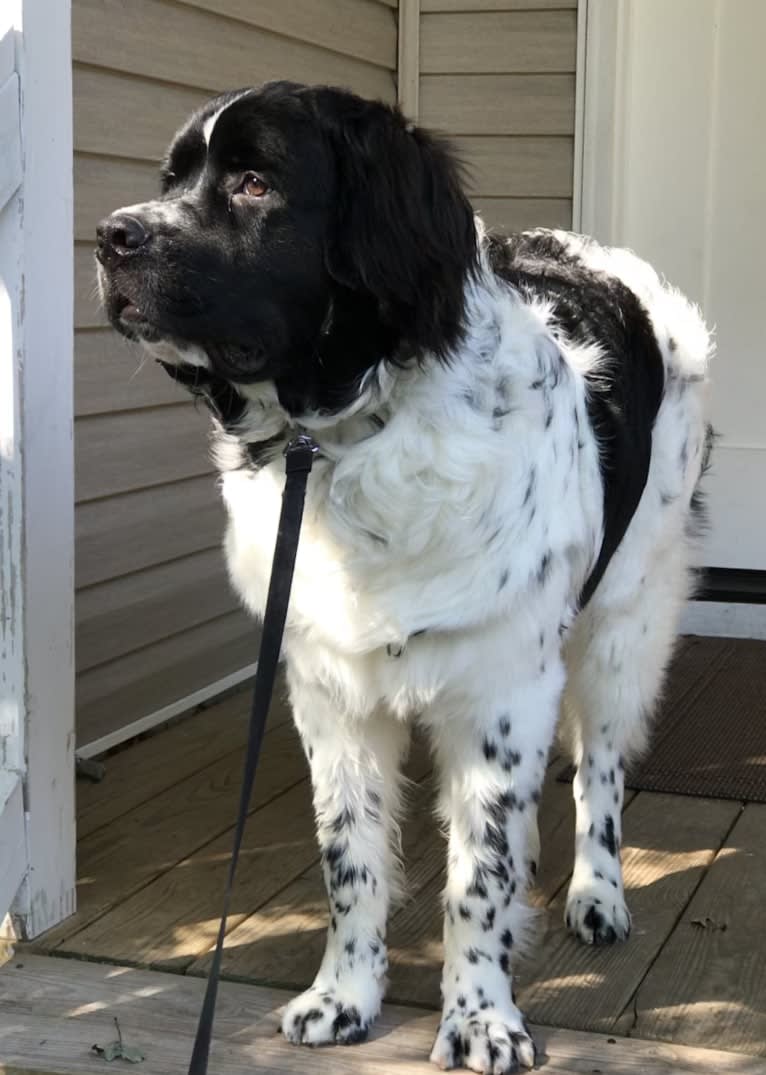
{"points": [[155, 618], [499, 77]]}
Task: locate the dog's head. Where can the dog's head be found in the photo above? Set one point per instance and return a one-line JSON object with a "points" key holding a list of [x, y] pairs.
{"points": [[302, 235]]}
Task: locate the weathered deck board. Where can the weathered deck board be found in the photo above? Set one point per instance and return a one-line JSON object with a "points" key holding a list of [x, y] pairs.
{"points": [[172, 920], [668, 843], [709, 983], [53, 1010], [416, 929], [156, 839], [256, 949], [120, 859], [139, 773]]}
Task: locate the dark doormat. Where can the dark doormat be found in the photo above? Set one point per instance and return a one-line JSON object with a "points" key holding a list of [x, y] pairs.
{"points": [[709, 736]]}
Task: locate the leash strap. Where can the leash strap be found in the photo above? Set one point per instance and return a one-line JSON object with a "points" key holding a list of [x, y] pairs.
{"points": [[299, 458]]}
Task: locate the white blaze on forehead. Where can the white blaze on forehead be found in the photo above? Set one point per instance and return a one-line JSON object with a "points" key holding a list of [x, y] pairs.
{"points": [[210, 122]]}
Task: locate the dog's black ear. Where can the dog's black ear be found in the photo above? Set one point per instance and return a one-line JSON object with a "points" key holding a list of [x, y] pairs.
{"points": [[404, 230]]}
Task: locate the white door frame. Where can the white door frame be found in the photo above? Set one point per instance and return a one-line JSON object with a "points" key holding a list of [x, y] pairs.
{"points": [[599, 115], [612, 145], [37, 830]]}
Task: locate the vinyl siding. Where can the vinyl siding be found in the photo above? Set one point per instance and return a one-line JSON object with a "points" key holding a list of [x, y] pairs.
{"points": [[498, 76], [155, 618]]}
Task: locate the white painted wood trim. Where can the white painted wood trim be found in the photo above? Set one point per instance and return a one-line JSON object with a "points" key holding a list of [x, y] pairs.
{"points": [[36, 364], [168, 712], [580, 69], [602, 95], [7, 47], [13, 849], [724, 620], [10, 137], [408, 67]]}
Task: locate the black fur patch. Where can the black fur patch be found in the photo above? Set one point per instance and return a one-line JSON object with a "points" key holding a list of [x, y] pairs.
{"points": [[625, 395]]}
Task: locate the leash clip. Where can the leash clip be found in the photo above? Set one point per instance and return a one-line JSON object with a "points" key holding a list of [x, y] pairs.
{"points": [[299, 453]]}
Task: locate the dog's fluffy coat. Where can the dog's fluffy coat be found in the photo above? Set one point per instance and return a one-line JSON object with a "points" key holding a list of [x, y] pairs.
{"points": [[498, 527]]}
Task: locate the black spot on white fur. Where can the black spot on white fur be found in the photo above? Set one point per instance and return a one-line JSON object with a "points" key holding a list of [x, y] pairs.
{"points": [[607, 837]]}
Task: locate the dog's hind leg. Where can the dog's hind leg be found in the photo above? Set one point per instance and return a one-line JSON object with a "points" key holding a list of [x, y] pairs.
{"points": [[355, 772], [617, 655]]}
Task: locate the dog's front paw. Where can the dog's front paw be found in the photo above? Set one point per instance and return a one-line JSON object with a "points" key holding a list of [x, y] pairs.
{"points": [[493, 1041], [596, 912], [329, 1016]]}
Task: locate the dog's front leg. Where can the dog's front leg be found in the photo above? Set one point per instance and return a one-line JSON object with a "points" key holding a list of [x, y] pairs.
{"points": [[492, 758], [355, 772]]}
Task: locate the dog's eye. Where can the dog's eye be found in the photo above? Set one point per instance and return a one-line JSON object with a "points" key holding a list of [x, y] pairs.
{"points": [[253, 186]]}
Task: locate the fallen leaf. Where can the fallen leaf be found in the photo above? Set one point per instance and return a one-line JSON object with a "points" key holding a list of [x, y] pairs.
{"points": [[107, 1052], [117, 1050], [135, 1056]]}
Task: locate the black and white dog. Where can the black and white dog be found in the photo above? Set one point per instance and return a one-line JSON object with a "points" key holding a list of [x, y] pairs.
{"points": [[500, 520]]}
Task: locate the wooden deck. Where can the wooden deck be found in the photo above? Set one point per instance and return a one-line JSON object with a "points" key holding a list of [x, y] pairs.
{"points": [[52, 1012], [154, 839]]}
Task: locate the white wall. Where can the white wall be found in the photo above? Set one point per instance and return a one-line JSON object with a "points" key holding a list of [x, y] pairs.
{"points": [[675, 167]]}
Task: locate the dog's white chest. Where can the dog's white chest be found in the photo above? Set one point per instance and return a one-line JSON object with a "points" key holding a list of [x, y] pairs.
{"points": [[398, 543], [370, 571]]}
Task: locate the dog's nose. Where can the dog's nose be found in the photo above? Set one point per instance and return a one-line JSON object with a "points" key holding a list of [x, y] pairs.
{"points": [[119, 236]]}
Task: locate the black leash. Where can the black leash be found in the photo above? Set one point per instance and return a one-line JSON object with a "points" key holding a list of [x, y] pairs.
{"points": [[299, 458]]}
